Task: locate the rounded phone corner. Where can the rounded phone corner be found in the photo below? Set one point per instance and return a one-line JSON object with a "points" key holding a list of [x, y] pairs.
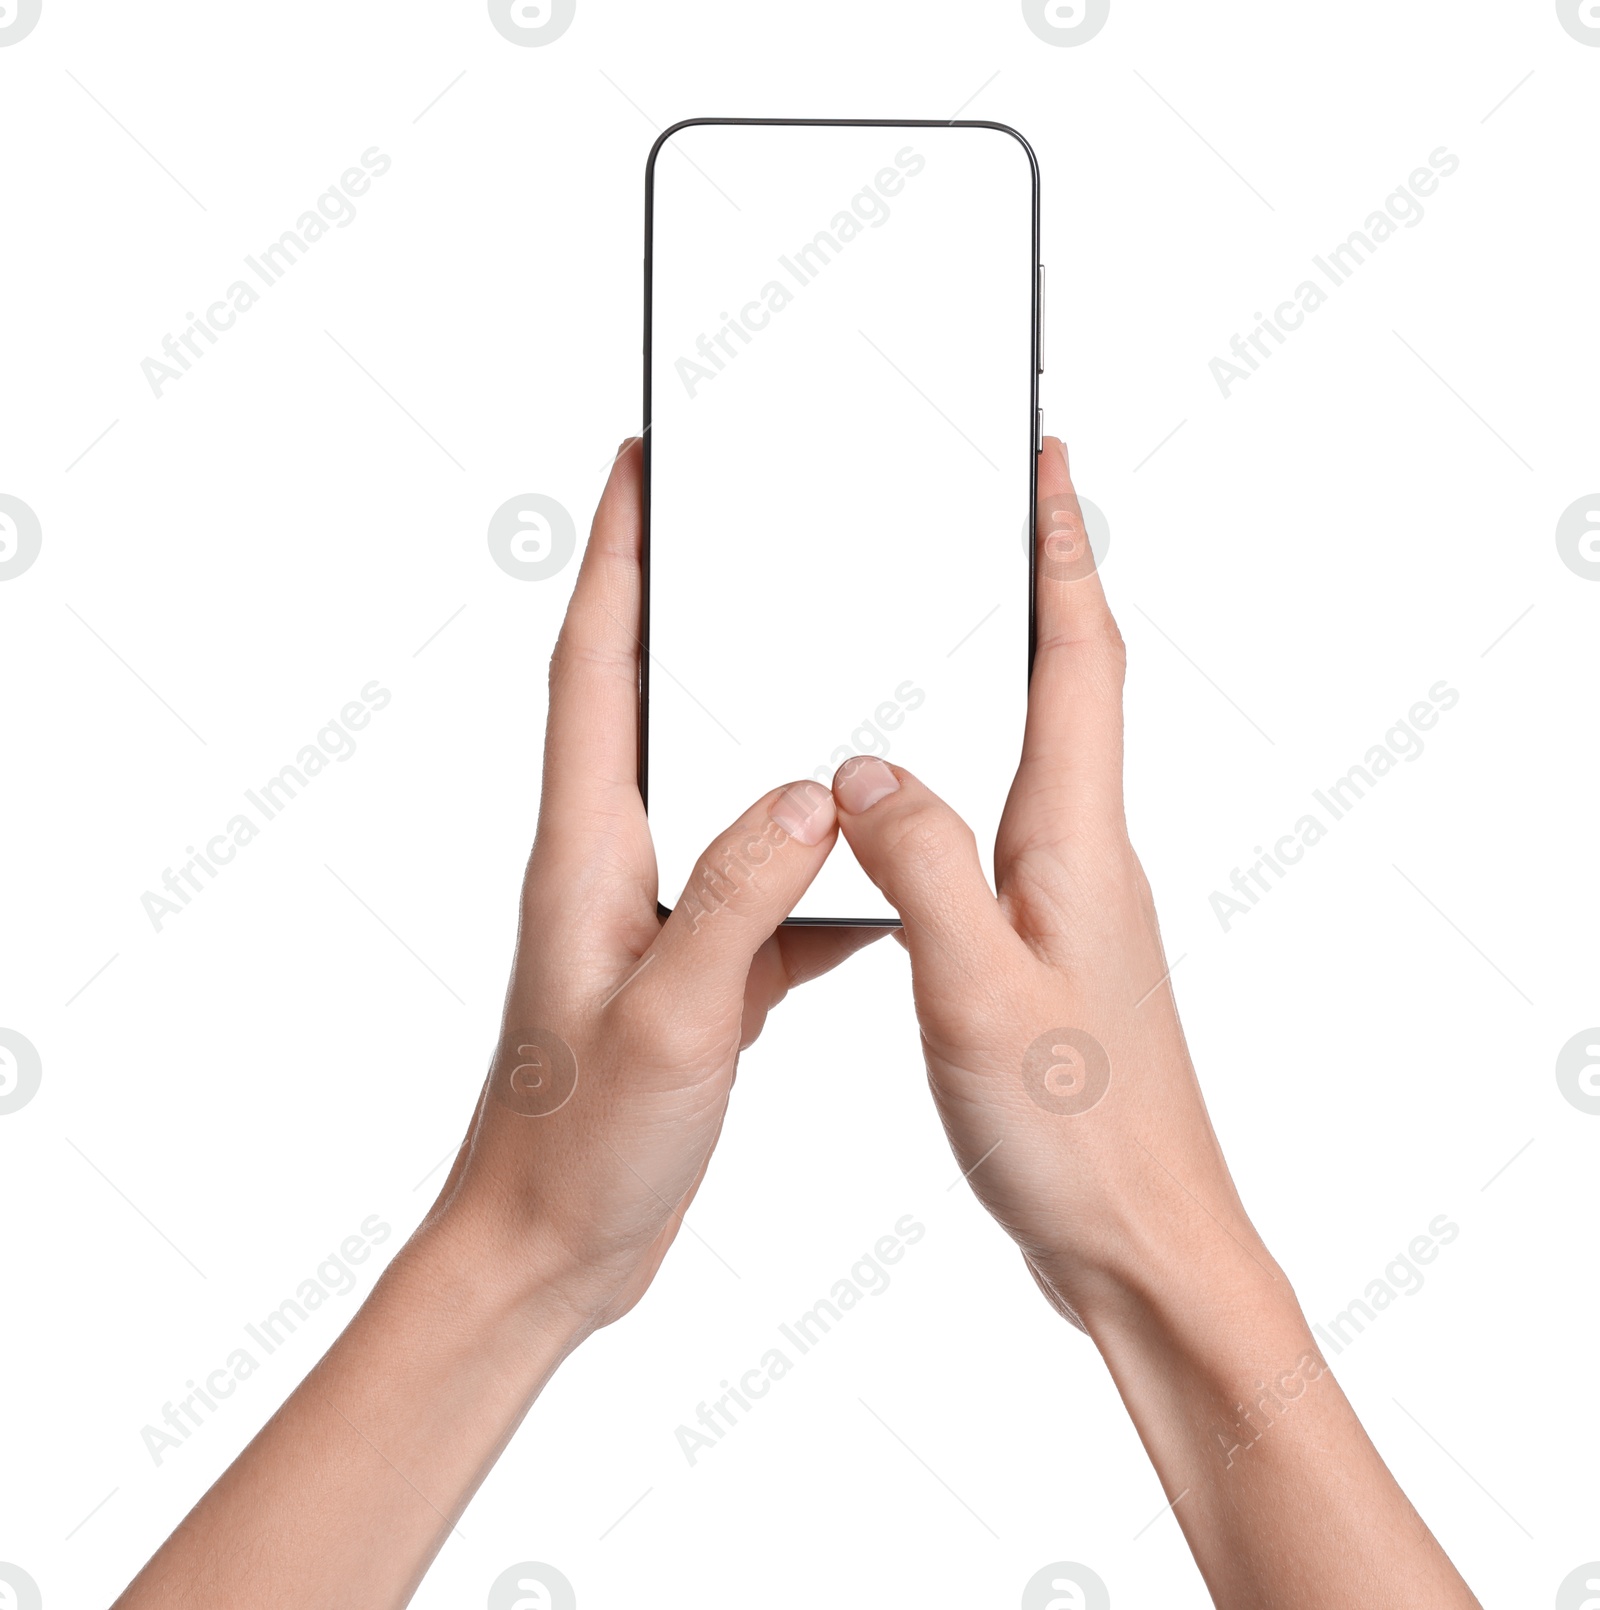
{"points": [[1005, 128], [665, 135]]}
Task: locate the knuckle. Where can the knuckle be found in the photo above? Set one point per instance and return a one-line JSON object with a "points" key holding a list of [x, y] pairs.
{"points": [[572, 655], [1111, 637], [1101, 659], [655, 1023], [1098, 647], [1115, 650], [927, 836], [561, 660]]}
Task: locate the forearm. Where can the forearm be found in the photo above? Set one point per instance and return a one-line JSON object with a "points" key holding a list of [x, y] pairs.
{"points": [[1278, 1489], [352, 1487]]}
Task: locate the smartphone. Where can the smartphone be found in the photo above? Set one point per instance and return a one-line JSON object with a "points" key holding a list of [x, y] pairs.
{"points": [[843, 336]]}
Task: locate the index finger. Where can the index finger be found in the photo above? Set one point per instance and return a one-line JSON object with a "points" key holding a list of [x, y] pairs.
{"points": [[1072, 744], [591, 737]]}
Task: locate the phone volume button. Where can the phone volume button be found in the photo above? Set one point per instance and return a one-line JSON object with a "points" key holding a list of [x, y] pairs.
{"points": [[1040, 354]]}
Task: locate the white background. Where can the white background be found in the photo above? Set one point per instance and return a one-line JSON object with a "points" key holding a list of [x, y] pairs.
{"points": [[1297, 565]]}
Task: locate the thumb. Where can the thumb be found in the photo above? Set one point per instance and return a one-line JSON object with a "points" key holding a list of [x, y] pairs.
{"points": [[925, 860], [745, 884]]}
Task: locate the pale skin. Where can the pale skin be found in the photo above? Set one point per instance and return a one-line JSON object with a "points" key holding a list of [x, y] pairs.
{"points": [[1092, 1148]]}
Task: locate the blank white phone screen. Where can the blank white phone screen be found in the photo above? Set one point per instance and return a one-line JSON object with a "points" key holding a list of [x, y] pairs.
{"points": [[842, 393]]}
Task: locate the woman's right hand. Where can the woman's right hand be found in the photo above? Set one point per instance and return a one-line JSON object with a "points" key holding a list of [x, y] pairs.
{"points": [[1051, 1035], [1059, 1067]]}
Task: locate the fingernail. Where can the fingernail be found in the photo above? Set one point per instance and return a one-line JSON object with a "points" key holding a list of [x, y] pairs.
{"points": [[862, 782], [804, 811], [627, 442]]}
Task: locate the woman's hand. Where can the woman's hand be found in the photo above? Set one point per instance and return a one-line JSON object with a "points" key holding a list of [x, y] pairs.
{"points": [[1050, 1030], [1059, 1067], [621, 1033], [591, 1134]]}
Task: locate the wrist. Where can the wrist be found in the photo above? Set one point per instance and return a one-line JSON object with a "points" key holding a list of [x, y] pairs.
{"points": [[1220, 1325], [1185, 1281], [502, 1289]]}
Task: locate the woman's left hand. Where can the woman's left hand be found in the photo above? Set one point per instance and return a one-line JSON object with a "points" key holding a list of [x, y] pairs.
{"points": [[622, 1032]]}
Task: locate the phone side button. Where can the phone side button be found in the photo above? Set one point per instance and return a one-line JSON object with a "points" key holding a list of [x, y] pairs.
{"points": [[1041, 319], [1038, 431]]}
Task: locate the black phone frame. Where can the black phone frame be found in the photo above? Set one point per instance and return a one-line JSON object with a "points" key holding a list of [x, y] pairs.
{"points": [[1034, 423]]}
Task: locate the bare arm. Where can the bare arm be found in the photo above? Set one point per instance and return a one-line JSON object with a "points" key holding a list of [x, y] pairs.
{"points": [[352, 1487], [591, 1136], [1059, 1066]]}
